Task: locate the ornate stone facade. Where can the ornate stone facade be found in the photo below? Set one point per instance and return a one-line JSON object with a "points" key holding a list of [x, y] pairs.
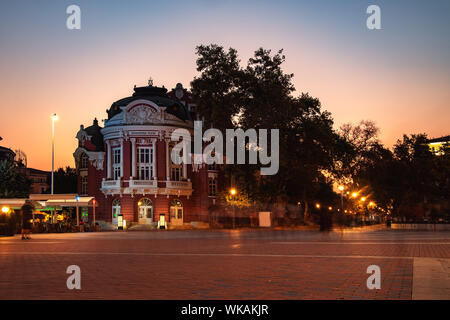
{"points": [[126, 164]]}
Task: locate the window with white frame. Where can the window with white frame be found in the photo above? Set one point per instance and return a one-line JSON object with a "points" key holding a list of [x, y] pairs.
{"points": [[177, 173], [84, 161], [116, 163], [176, 170], [212, 187], [145, 163], [84, 185]]}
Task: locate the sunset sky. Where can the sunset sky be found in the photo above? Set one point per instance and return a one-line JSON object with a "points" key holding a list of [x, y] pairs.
{"points": [[398, 76]]}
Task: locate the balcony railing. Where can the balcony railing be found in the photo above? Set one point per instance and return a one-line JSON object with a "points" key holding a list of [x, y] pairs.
{"points": [[143, 184], [179, 185], [111, 184]]}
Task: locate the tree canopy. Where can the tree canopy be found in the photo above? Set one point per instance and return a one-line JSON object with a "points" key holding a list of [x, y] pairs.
{"points": [[261, 95], [65, 180], [13, 184], [313, 155]]}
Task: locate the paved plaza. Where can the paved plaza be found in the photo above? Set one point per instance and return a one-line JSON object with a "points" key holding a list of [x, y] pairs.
{"points": [[227, 264]]}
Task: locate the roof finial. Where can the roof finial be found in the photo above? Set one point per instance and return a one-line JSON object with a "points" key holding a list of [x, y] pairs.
{"points": [[150, 82]]}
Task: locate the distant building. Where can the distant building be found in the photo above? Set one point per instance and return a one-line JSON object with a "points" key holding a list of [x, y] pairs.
{"points": [[38, 177], [6, 153], [39, 180], [126, 165], [437, 144]]}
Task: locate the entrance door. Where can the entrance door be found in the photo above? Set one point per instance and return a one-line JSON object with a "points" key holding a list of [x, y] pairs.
{"points": [[176, 212], [115, 212], [145, 210]]}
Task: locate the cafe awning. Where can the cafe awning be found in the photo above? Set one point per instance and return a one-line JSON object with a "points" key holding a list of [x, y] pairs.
{"points": [[43, 201], [17, 203], [80, 201]]}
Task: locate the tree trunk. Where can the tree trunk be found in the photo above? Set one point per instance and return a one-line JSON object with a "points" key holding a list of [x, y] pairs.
{"points": [[305, 212]]}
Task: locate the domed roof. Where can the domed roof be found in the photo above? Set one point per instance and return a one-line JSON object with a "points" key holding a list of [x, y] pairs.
{"points": [[96, 135], [155, 94]]}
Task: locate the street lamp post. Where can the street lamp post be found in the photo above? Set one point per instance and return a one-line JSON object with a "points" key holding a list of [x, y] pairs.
{"points": [[94, 202], [78, 213], [233, 194], [341, 188], [54, 118]]}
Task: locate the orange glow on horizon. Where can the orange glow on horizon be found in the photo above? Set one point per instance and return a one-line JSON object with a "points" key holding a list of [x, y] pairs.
{"points": [[75, 75]]}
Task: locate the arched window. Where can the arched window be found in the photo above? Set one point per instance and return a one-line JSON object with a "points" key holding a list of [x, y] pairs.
{"points": [[115, 211], [145, 202], [145, 206], [176, 212], [176, 203]]}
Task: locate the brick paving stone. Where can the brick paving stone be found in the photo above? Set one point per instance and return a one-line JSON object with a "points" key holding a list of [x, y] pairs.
{"points": [[216, 264]]}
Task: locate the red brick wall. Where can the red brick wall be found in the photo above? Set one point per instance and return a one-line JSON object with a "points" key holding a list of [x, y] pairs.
{"points": [[161, 204], [126, 160], [195, 208], [161, 159]]}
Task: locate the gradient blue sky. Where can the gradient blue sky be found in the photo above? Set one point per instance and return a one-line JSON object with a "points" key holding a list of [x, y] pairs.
{"points": [[398, 76]]}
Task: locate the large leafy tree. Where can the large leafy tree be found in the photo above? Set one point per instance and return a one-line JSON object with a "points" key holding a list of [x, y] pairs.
{"points": [[261, 96], [365, 168], [409, 180], [365, 148], [13, 184], [217, 87], [65, 180], [416, 173]]}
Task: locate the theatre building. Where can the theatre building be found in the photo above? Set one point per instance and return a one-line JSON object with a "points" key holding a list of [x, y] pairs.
{"points": [[126, 165]]}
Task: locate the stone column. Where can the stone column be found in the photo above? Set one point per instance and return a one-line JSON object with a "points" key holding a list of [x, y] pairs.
{"points": [[167, 161], [121, 157], [108, 161], [184, 169], [133, 157], [154, 166]]}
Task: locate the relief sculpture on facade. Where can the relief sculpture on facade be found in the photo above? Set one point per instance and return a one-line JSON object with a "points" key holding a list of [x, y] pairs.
{"points": [[142, 115]]}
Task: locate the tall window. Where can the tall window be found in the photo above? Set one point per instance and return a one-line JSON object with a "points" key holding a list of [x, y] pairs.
{"points": [[116, 163], [115, 210], [84, 161], [84, 185], [145, 163], [145, 209], [212, 187], [176, 170], [176, 173]]}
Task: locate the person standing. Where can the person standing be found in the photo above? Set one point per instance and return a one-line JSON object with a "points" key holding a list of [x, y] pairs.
{"points": [[27, 217], [388, 221]]}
